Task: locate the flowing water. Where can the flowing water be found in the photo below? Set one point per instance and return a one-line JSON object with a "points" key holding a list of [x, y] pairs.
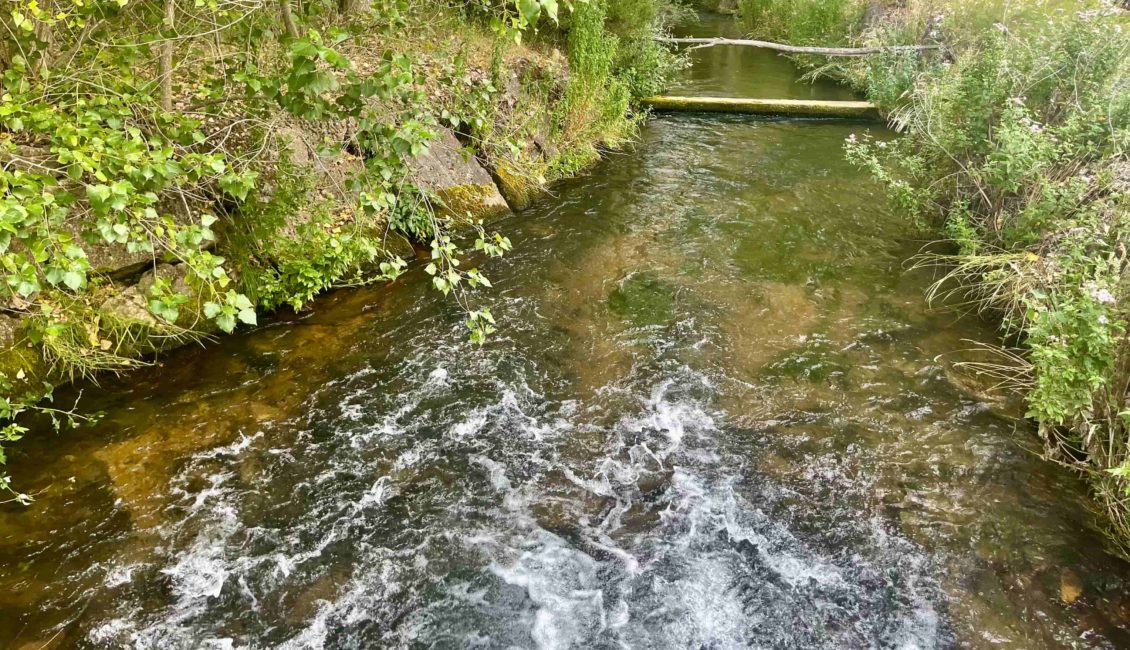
{"points": [[717, 415]]}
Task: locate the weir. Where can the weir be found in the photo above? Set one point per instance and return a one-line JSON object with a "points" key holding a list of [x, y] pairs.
{"points": [[783, 107]]}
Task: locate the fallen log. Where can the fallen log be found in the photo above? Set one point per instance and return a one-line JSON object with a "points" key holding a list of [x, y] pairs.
{"points": [[787, 107], [799, 49]]}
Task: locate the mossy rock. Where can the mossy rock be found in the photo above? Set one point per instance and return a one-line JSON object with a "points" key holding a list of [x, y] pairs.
{"points": [[518, 188], [135, 331], [20, 361], [475, 201], [396, 244], [462, 187]]}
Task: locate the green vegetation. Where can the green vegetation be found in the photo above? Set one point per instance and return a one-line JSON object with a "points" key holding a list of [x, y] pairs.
{"points": [[805, 23], [168, 170], [1015, 142]]}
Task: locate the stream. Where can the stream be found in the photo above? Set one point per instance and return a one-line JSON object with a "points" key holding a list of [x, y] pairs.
{"points": [[717, 414]]}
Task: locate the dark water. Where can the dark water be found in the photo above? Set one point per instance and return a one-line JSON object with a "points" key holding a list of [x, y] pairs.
{"points": [[717, 415]]}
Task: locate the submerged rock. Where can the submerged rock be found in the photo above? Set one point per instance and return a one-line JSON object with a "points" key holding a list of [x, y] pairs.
{"points": [[1070, 586], [644, 299]]}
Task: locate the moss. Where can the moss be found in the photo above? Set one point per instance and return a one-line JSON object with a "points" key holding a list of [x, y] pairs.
{"points": [[572, 161], [23, 358], [471, 199], [518, 187]]}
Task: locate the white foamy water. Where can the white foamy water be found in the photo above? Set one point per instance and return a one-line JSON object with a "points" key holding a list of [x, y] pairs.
{"points": [[520, 521]]}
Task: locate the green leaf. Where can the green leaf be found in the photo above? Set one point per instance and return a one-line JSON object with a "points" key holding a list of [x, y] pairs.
{"points": [[303, 48], [74, 280], [242, 302], [97, 194], [321, 82], [226, 322], [530, 9], [54, 275], [27, 287], [550, 7]]}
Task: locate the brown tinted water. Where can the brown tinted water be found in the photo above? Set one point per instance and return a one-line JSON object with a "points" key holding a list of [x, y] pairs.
{"points": [[717, 415]]}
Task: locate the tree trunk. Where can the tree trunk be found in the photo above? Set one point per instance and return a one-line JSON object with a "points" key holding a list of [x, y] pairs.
{"points": [[798, 49], [165, 65], [288, 18], [350, 7]]}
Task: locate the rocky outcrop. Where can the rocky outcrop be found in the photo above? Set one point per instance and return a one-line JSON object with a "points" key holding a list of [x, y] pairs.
{"points": [[459, 184], [520, 168], [130, 308]]}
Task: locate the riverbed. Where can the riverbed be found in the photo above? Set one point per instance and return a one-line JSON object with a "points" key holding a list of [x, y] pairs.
{"points": [[717, 414]]}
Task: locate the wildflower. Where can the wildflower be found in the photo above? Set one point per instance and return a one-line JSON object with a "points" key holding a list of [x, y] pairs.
{"points": [[1102, 295], [1033, 126]]}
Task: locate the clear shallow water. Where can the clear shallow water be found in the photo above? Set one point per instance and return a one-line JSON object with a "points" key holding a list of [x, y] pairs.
{"points": [[718, 415]]}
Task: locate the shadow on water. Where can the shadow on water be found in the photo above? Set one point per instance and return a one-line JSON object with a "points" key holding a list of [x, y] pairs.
{"points": [[718, 415]]}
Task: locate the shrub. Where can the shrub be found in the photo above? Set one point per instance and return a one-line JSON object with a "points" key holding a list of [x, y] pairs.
{"points": [[1016, 147]]}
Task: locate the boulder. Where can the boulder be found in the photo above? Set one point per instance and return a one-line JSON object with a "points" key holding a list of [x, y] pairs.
{"points": [[191, 313], [132, 330], [175, 274], [455, 178], [115, 261], [129, 307]]}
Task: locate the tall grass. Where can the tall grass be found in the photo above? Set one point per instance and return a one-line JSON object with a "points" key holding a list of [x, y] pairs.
{"points": [[613, 59], [803, 22]]}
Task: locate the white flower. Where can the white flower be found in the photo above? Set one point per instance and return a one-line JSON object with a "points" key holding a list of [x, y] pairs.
{"points": [[1033, 125], [1103, 296]]}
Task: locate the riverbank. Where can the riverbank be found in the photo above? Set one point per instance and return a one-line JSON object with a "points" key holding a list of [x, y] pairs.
{"points": [[1014, 146], [193, 182]]}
